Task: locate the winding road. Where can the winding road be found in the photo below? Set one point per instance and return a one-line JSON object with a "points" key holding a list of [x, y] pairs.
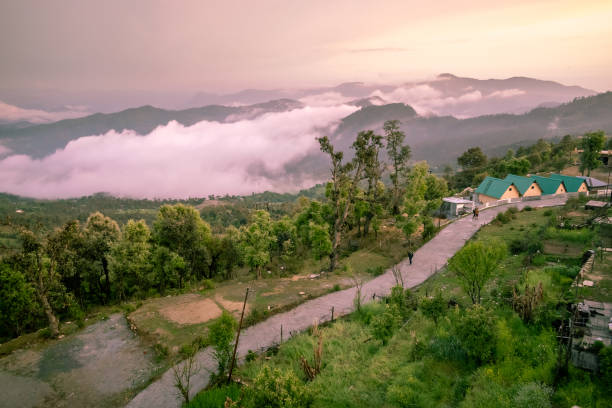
{"points": [[427, 260]]}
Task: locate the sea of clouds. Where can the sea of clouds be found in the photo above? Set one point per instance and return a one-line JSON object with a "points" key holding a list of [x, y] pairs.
{"points": [[179, 161]]}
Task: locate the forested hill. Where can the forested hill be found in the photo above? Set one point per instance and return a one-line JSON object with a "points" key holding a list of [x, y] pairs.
{"points": [[41, 140], [440, 140]]}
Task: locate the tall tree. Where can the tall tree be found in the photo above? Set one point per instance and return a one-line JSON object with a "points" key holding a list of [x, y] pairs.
{"points": [[472, 158], [343, 185], [592, 144], [474, 264], [100, 234], [181, 229], [42, 274], [399, 154], [129, 259], [258, 239]]}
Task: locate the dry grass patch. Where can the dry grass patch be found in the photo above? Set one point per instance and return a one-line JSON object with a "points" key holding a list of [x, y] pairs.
{"points": [[192, 310]]}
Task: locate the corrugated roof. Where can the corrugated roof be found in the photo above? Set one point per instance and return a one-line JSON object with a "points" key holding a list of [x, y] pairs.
{"points": [[593, 182], [548, 185], [572, 184], [493, 187], [521, 183]]}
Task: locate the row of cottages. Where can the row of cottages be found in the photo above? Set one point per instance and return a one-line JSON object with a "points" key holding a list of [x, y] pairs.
{"points": [[514, 187]]}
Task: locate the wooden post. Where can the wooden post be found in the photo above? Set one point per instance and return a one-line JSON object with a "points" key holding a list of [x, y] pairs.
{"points": [[281, 342], [332, 319], [229, 377]]}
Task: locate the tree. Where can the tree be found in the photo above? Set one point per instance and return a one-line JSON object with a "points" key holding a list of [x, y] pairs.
{"points": [[384, 324], [220, 337], [319, 240], [129, 259], [100, 234], [476, 331], [41, 274], [399, 154], [257, 239], [474, 264], [592, 144], [341, 189], [414, 198], [17, 302], [181, 229], [168, 268], [66, 250], [183, 373], [472, 158]]}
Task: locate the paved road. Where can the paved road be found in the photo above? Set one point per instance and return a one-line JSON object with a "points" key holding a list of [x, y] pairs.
{"points": [[428, 259]]}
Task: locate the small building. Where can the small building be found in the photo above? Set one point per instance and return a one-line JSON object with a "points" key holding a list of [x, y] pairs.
{"points": [[493, 189], [572, 184], [527, 187], [594, 184], [453, 207], [549, 186]]}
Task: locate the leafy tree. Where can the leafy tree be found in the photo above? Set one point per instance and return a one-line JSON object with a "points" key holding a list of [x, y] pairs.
{"points": [[319, 239], [257, 239], [605, 365], [17, 302], [67, 251], [399, 154], [100, 234], [474, 264], [344, 180], [129, 259], [180, 229], [592, 144], [433, 307], [220, 337], [276, 389], [41, 274], [168, 268], [414, 198], [373, 172], [285, 235], [472, 158], [476, 331]]}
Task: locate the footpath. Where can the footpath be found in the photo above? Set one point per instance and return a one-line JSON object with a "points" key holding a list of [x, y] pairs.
{"points": [[427, 260]]}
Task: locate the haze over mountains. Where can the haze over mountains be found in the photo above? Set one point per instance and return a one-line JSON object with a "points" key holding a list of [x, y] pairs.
{"points": [[256, 140]]}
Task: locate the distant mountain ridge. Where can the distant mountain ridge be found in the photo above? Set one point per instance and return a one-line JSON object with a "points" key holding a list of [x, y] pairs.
{"points": [[41, 140]]}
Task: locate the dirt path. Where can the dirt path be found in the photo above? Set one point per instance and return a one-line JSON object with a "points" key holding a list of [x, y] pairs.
{"points": [[427, 260], [94, 367]]}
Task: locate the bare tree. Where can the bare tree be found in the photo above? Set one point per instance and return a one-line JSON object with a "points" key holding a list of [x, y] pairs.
{"points": [[397, 274], [183, 373]]}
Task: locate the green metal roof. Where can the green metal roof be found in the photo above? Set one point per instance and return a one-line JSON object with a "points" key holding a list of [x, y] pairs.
{"points": [[493, 187], [522, 183], [572, 184], [548, 185]]}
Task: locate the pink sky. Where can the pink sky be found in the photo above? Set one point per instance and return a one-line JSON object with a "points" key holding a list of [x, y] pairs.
{"points": [[224, 46]]}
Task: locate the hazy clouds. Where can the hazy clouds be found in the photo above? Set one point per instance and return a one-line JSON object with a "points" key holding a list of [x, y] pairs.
{"points": [[178, 161], [11, 113]]}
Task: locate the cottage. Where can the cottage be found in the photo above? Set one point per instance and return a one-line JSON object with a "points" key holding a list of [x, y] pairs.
{"points": [[572, 184], [493, 189], [527, 187], [594, 184], [550, 186]]}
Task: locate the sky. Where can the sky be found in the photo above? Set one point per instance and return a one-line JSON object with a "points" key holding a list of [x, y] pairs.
{"points": [[225, 46]]}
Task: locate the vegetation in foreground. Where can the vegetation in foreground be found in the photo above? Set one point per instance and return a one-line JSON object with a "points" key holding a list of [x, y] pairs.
{"points": [[442, 345]]}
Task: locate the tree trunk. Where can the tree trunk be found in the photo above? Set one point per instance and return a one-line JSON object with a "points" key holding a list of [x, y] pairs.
{"points": [[366, 224], [53, 322]]}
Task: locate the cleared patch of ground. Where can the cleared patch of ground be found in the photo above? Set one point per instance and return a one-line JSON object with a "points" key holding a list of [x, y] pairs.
{"points": [[100, 366], [191, 311]]}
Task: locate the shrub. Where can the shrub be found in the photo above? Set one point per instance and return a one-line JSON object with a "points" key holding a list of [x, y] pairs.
{"points": [[208, 284], [527, 208], [336, 287], [433, 307], [476, 331], [447, 348], [376, 270], [529, 244], [161, 350], [538, 260], [251, 356], [605, 365], [220, 337], [215, 397], [548, 212], [275, 389], [384, 324]]}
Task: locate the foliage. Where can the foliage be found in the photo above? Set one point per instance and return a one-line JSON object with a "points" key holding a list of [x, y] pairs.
{"points": [[385, 324], [273, 388], [433, 307], [17, 302], [220, 337], [257, 240], [533, 395], [592, 144], [476, 331], [605, 366], [216, 397], [474, 265]]}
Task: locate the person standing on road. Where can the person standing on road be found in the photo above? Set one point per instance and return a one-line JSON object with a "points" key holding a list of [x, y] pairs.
{"points": [[410, 255], [475, 213]]}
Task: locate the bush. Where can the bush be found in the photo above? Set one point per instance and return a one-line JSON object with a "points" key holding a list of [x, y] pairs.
{"points": [[376, 270], [251, 356], [336, 287], [476, 331], [275, 389], [447, 348], [529, 244], [220, 337], [215, 397], [527, 208], [548, 212], [433, 307], [383, 325], [208, 284], [538, 260], [605, 365]]}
